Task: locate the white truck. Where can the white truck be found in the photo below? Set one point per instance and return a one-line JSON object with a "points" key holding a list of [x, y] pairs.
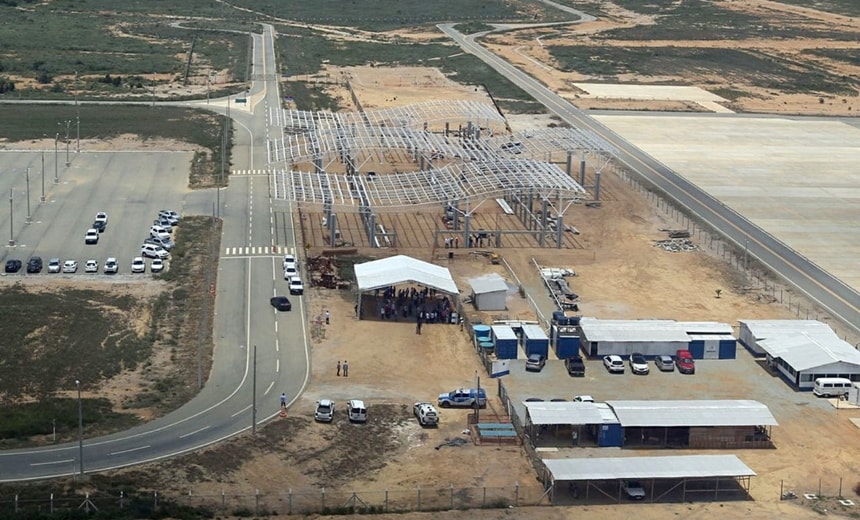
{"points": [[426, 414]]}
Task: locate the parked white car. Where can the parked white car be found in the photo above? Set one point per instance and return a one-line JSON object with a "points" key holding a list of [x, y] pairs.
{"points": [[153, 251], [92, 236], [290, 260], [92, 266], [159, 231], [157, 265], [324, 411], [70, 266], [111, 265], [138, 265], [638, 364], [614, 364], [426, 414], [296, 286], [290, 272]]}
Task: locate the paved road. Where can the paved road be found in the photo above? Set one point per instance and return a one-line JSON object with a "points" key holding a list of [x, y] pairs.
{"points": [[243, 317], [839, 299]]}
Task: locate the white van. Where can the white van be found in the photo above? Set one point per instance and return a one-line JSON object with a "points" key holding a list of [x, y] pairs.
{"points": [[356, 411], [831, 386]]}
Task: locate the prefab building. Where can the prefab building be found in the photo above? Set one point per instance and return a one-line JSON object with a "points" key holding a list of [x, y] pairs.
{"points": [[565, 340], [489, 292], [506, 342], [535, 340], [624, 337], [802, 358], [713, 346], [753, 331]]}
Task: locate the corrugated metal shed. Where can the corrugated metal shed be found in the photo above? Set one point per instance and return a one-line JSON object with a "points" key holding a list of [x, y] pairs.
{"points": [[643, 468], [549, 413], [504, 332], [706, 327], [765, 329], [401, 268], [489, 283], [804, 351], [692, 413], [596, 330]]}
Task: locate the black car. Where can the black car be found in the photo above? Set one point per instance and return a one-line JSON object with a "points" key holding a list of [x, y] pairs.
{"points": [[282, 303], [575, 366], [13, 266], [99, 225], [34, 265]]}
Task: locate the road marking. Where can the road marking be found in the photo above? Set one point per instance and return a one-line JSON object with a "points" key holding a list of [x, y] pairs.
{"points": [[249, 172], [265, 251], [192, 433], [278, 365], [243, 410], [64, 461], [269, 389], [130, 450]]}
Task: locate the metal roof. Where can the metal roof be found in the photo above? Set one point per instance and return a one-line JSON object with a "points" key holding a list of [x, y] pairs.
{"points": [[706, 327], [765, 329], [692, 413], [712, 337], [503, 332], [541, 413], [488, 283], [399, 269], [633, 330], [804, 351], [644, 468], [533, 332]]}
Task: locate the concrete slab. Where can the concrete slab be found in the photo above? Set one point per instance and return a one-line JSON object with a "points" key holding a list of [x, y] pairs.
{"points": [[648, 92], [797, 178]]}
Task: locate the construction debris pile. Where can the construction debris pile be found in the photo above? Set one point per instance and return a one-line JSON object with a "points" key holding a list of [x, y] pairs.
{"points": [[559, 289], [677, 245], [323, 273]]}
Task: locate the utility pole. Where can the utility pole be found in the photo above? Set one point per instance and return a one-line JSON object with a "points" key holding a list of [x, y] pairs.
{"points": [[11, 217], [56, 158], [254, 396], [29, 216], [77, 117], [42, 198], [80, 428]]}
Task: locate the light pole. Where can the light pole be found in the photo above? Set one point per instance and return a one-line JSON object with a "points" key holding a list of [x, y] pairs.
{"points": [[29, 217], [42, 198], [80, 428], [56, 158], [11, 217], [77, 117], [68, 124], [254, 396]]}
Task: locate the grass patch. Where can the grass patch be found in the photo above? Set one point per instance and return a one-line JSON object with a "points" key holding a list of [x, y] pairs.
{"points": [[739, 66], [53, 338], [845, 7], [850, 56], [705, 20], [198, 127]]}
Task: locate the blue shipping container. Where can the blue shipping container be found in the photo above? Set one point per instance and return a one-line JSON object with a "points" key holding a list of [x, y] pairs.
{"points": [[610, 435], [566, 346], [535, 340]]}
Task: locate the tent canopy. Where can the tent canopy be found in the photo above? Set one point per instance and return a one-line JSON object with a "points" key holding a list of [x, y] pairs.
{"points": [[401, 269]]}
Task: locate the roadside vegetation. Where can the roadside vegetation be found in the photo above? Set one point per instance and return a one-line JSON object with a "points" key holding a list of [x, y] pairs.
{"points": [[737, 65], [54, 336]]}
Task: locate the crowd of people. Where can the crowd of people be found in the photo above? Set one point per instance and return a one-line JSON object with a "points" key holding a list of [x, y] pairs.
{"points": [[424, 305]]}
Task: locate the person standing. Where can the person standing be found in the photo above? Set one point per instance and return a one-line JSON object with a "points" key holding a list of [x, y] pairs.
{"points": [[345, 369], [283, 400], [327, 317], [338, 367]]}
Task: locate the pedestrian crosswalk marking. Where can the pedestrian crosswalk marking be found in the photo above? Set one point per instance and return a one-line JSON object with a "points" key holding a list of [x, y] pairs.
{"points": [[259, 251], [249, 172]]}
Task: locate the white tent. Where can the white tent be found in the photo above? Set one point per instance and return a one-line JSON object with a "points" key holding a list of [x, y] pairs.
{"points": [[401, 269]]}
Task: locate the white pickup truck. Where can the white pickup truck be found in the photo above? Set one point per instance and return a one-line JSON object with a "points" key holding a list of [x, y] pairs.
{"points": [[426, 414]]}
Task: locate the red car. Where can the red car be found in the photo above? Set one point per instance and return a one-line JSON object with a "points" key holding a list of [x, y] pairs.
{"points": [[685, 362]]}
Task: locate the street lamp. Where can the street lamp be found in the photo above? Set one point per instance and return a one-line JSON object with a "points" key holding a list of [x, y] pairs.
{"points": [[68, 124], [11, 217], [56, 158], [29, 216], [77, 117], [42, 198], [80, 428]]}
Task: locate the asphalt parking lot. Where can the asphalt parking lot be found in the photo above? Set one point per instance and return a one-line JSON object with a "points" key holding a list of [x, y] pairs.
{"points": [[131, 187], [741, 378]]}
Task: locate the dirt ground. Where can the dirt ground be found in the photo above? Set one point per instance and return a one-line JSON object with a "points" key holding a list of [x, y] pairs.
{"points": [[620, 275]]}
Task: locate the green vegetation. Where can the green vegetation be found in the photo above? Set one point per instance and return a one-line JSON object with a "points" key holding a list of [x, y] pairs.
{"points": [[745, 66], [383, 15], [846, 7], [706, 20], [22, 122], [303, 51], [851, 56], [473, 27], [54, 338]]}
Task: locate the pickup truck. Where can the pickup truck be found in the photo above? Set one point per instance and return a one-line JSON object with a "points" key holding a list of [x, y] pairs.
{"points": [[463, 397], [426, 414]]}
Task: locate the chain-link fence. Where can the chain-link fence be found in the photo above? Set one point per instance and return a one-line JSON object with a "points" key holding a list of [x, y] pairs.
{"points": [[289, 502]]}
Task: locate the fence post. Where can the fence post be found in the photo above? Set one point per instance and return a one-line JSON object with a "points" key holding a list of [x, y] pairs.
{"points": [[484, 500], [517, 495], [323, 498], [155, 499], [256, 502], [223, 500], [419, 498], [840, 482], [386, 500], [452, 497], [290, 501], [16, 502], [121, 499]]}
